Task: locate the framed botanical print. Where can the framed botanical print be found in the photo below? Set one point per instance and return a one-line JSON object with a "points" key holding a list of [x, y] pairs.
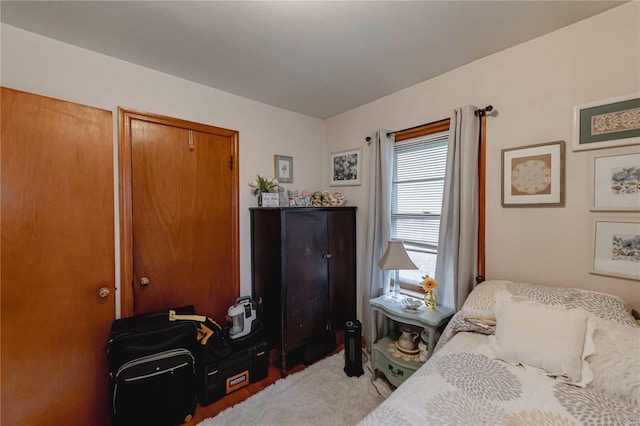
{"points": [[283, 168], [616, 182], [346, 167], [533, 176], [616, 247], [607, 123]]}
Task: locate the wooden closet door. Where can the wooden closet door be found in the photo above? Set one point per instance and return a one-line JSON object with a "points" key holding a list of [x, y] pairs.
{"points": [[184, 220], [57, 253]]}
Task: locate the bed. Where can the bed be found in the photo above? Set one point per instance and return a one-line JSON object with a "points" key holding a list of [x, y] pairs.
{"points": [[526, 354]]}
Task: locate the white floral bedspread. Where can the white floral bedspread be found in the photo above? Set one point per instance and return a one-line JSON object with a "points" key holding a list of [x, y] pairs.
{"points": [[463, 385]]}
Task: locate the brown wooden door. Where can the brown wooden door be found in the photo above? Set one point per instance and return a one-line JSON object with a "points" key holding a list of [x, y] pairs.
{"points": [[57, 253], [183, 202]]}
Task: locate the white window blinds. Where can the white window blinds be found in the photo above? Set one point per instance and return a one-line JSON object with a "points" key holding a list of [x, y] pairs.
{"points": [[416, 198]]}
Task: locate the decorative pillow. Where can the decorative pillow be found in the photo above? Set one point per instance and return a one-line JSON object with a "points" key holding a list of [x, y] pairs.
{"points": [[480, 305], [553, 339], [616, 361]]}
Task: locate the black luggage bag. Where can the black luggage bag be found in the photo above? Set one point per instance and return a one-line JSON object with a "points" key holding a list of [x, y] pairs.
{"points": [[152, 369]]}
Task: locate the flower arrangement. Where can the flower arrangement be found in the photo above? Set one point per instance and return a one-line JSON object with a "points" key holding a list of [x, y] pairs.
{"points": [[428, 283], [264, 184]]}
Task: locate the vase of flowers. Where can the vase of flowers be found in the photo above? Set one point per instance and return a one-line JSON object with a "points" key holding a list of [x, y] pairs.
{"points": [[263, 184], [428, 285]]}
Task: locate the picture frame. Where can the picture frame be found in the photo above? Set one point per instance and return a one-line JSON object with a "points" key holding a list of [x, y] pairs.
{"points": [[533, 175], [607, 123], [283, 168], [616, 183], [616, 248], [345, 168]]}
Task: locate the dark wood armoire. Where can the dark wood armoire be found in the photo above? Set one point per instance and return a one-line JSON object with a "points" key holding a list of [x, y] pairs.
{"points": [[303, 268]]}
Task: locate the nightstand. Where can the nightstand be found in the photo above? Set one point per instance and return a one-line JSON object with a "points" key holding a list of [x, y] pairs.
{"points": [[397, 370]]}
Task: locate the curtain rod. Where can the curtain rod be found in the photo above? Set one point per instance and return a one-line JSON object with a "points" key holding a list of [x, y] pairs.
{"points": [[479, 112]]}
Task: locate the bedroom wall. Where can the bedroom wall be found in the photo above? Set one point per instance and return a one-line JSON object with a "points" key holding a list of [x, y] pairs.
{"points": [[534, 87], [41, 65]]}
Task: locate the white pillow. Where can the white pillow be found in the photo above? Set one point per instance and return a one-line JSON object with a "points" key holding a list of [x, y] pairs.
{"points": [[553, 339], [616, 361]]}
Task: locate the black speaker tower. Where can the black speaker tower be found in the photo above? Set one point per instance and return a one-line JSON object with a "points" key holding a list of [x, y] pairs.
{"points": [[353, 348]]}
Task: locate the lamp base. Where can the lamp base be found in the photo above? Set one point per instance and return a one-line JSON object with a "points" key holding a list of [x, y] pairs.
{"points": [[395, 297]]}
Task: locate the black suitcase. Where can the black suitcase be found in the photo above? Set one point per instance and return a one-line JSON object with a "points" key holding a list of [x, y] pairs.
{"points": [[152, 369], [234, 372]]}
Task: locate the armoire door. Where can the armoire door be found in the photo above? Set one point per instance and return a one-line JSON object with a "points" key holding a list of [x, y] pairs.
{"points": [[183, 211], [341, 225], [305, 284], [58, 266]]}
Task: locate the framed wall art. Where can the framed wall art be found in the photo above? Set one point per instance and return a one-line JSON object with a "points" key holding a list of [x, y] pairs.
{"points": [[533, 176], [608, 123], [616, 248], [616, 182], [283, 168], [346, 168]]}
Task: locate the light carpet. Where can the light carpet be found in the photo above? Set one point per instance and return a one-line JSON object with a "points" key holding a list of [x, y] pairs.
{"points": [[321, 394]]}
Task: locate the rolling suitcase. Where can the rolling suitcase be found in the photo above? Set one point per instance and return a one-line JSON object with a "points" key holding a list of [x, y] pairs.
{"points": [[152, 369]]}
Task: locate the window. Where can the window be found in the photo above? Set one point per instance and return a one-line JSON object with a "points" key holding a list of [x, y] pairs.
{"points": [[419, 163]]}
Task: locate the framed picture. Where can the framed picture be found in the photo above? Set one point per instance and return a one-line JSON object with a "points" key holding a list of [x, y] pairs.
{"points": [[616, 248], [533, 176], [616, 182], [346, 167], [283, 167], [608, 123]]}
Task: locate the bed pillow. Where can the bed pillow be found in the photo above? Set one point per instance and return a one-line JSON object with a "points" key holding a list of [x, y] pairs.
{"points": [[616, 361], [480, 305], [552, 339]]}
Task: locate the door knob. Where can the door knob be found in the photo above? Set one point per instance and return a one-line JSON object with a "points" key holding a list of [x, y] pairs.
{"points": [[144, 281], [104, 292]]}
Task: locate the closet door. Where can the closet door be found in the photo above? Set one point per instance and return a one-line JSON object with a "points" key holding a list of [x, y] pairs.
{"points": [[58, 266], [183, 203]]}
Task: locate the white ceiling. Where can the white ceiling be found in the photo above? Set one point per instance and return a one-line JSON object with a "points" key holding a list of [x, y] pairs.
{"points": [[318, 58]]}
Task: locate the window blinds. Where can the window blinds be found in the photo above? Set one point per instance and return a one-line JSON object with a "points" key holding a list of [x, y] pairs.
{"points": [[416, 197]]}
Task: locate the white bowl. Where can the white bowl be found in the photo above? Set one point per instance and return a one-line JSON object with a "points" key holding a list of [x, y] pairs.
{"points": [[412, 303]]}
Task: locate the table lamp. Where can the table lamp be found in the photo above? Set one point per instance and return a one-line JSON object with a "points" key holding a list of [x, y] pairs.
{"points": [[394, 259]]}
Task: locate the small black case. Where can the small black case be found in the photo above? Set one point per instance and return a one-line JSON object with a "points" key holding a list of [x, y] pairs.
{"points": [[243, 366]]}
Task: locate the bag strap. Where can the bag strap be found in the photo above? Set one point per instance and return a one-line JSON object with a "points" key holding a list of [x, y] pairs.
{"points": [[174, 317]]}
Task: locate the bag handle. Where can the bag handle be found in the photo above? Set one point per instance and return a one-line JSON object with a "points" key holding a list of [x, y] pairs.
{"points": [[174, 317]]}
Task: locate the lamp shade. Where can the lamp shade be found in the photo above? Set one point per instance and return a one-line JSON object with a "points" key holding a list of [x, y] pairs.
{"points": [[396, 257]]}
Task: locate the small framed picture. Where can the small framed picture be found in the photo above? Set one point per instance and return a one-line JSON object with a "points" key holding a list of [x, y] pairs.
{"points": [[533, 176], [283, 167], [608, 123], [616, 182], [616, 248], [346, 167]]}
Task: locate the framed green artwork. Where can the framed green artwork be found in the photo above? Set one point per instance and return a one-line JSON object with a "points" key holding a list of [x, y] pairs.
{"points": [[608, 123]]}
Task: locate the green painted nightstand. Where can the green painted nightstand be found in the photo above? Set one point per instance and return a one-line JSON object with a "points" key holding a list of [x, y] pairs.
{"points": [[395, 369]]}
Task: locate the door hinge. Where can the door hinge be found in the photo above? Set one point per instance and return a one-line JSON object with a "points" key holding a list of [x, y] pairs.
{"points": [[231, 162]]}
